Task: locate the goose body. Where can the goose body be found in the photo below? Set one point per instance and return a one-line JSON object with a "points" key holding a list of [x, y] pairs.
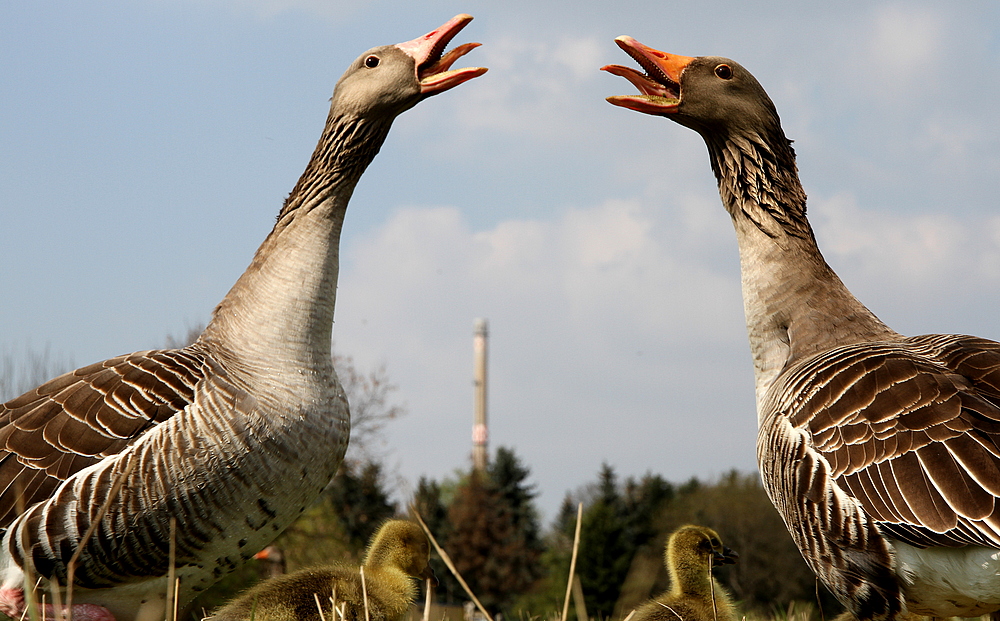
{"points": [[232, 436], [397, 553], [881, 452], [695, 595]]}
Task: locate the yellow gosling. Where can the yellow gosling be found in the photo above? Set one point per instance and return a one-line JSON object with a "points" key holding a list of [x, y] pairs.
{"points": [[694, 595], [397, 553]]}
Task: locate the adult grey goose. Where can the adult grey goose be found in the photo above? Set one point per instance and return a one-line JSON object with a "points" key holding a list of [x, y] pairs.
{"points": [[880, 451], [233, 435]]}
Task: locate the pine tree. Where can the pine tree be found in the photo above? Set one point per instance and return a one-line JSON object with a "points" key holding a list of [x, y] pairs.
{"points": [[605, 547], [428, 502], [495, 536], [523, 547], [357, 496]]}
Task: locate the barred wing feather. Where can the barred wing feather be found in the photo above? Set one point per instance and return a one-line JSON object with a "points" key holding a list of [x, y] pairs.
{"points": [[77, 419], [910, 430]]}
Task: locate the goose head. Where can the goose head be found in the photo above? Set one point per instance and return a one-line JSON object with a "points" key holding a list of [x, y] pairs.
{"points": [[709, 94], [393, 78]]}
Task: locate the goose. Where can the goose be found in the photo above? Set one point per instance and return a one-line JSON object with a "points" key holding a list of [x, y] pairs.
{"points": [[232, 436], [274, 557], [397, 553], [880, 451], [695, 595]]}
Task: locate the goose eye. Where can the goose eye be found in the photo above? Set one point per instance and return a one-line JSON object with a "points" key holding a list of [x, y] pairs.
{"points": [[724, 71], [371, 62]]}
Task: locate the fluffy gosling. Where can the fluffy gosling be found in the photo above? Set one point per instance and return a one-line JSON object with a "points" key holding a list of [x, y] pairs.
{"points": [[396, 554], [691, 553]]}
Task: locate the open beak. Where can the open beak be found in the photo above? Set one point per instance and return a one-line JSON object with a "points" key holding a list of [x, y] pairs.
{"points": [[660, 85], [434, 70], [727, 557]]}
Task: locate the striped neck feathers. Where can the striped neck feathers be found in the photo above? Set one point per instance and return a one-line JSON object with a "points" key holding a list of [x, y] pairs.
{"points": [[346, 148], [283, 304], [758, 180]]}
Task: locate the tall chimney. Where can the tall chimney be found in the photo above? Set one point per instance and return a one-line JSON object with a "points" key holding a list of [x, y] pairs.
{"points": [[479, 429]]}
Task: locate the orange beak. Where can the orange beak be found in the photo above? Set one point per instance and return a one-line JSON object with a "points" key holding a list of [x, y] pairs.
{"points": [[434, 70], [659, 86]]}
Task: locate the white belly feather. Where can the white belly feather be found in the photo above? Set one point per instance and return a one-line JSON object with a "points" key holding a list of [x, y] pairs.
{"points": [[946, 582]]}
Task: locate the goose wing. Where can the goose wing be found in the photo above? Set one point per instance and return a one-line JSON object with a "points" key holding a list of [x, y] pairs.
{"points": [[77, 419], [910, 430]]}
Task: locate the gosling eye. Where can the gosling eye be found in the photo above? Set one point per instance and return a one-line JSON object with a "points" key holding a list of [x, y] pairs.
{"points": [[724, 71], [372, 61]]}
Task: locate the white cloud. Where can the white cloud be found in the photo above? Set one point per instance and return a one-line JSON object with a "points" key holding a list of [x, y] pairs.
{"points": [[925, 272], [534, 86], [905, 49], [609, 270], [912, 248]]}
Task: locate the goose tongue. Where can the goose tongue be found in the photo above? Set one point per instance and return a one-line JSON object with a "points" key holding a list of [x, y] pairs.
{"points": [[434, 69], [659, 86]]}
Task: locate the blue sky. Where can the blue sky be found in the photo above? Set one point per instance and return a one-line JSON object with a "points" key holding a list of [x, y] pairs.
{"points": [[146, 147]]}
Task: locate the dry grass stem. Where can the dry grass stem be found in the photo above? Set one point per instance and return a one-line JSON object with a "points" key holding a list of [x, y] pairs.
{"points": [[61, 613], [171, 565], [428, 590], [177, 589], [319, 607], [572, 562], [364, 593], [711, 583], [333, 604], [671, 610], [451, 566], [115, 488]]}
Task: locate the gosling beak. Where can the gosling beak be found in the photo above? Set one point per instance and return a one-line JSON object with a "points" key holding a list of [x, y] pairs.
{"points": [[428, 574], [728, 556]]}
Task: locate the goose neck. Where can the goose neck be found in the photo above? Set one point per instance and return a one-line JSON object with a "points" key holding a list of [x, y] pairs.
{"points": [[279, 314], [795, 304]]}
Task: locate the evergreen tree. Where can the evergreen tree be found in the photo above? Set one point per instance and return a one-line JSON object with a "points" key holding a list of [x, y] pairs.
{"points": [[494, 538], [514, 496], [479, 525], [357, 496], [605, 547], [428, 502]]}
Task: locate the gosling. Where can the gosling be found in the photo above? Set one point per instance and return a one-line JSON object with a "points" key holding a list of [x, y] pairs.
{"points": [[396, 554], [694, 595]]}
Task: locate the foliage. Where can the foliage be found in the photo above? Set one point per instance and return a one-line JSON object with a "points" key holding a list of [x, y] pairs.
{"points": [[770, 572], [491, 531], [358, 498], [429, 503]]}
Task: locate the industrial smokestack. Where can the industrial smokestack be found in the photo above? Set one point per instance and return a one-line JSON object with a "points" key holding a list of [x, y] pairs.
{"points": [[479, 429]]}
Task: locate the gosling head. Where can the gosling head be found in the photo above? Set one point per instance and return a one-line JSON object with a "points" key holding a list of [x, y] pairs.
{"points": [[700, 542], [403, 545]]}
